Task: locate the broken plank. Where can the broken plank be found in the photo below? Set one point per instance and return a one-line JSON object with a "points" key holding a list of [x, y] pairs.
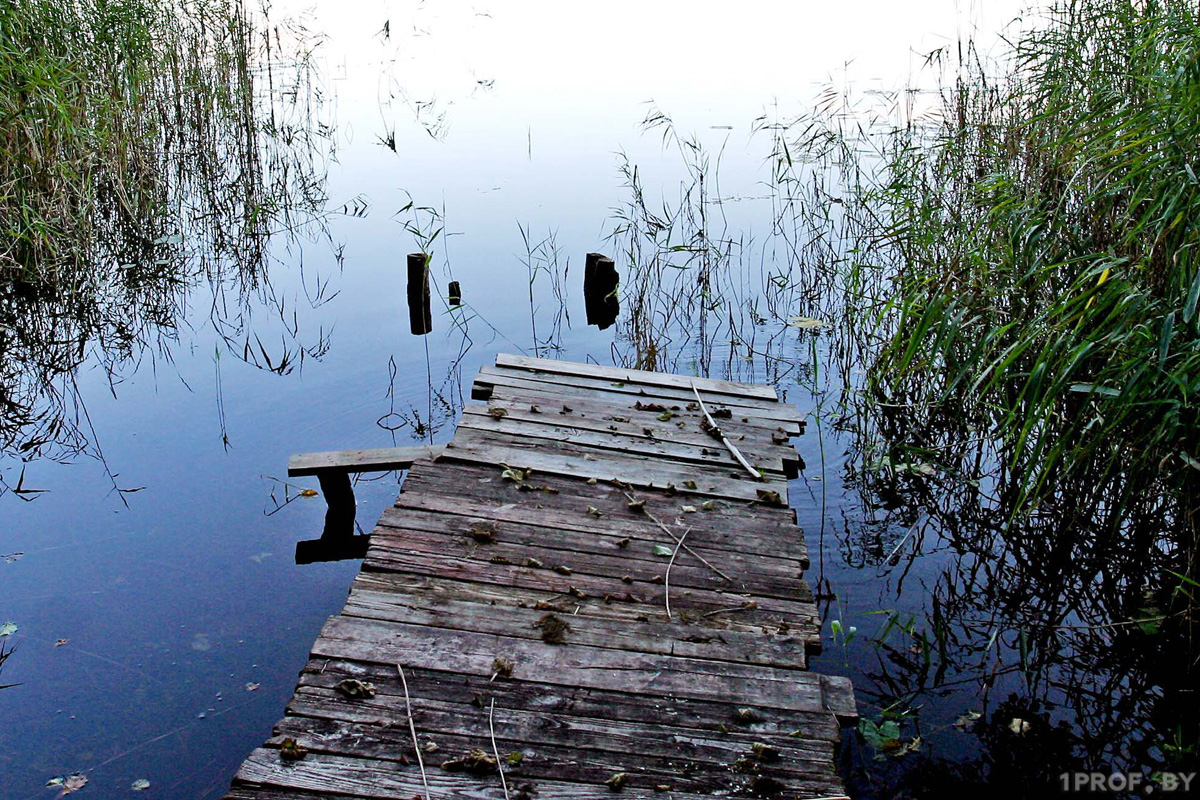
{"points": [[562, 458], [374, 460], [633, 443], [605, 391], [628, 375]]}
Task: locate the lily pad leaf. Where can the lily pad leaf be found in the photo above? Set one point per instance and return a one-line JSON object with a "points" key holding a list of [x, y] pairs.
{"points": [[8, 629], [807, 323], [140, 785]]}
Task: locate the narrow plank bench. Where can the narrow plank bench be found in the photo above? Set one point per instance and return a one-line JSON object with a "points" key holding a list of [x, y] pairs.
{"points": [[334, 467]]}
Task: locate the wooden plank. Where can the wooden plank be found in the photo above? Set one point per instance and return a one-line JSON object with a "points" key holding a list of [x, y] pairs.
{"points": [[562, 458], [752, 544], [560, 749], [627, 419], [616, 407], [569, 386], [669, 638], [639, 444], [690, 604], [466, 716], [389, 780], [675, 716], [753, 529], [473, 654], [626, 375], [382, 459], [615, 554], [432, 589]]}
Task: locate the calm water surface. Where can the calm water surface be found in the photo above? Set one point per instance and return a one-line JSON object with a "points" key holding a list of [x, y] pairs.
{"points": [[161, 628]]}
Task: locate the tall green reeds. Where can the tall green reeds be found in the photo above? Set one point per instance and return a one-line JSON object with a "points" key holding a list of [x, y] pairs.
{"points": [[144, 147], [1043, 236]]}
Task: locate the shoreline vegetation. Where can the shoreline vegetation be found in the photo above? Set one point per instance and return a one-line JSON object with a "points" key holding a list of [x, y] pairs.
{"points": [[146, 147], [1025, 261], [993, 302]]}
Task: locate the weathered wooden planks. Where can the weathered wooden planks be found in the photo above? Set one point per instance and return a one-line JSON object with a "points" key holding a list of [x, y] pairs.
{"points": [[522, 581], [375, 460], [637, 376]]}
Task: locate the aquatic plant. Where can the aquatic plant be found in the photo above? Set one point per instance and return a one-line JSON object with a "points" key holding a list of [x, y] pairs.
{"points": [[145, 147], [1044, 235]]}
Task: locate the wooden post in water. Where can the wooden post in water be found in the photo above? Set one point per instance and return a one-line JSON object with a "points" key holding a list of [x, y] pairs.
{"points": [[419, 317], [600, 282]]}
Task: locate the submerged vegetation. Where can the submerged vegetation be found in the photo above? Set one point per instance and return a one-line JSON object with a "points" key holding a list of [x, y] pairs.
{"points": [[1044, 238], [145, 146], [1020, 278], [1010, 267]]}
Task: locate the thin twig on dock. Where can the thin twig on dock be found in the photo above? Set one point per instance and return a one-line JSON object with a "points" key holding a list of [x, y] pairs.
{"points": [[715, 430], [667, 576], [412, 728]]}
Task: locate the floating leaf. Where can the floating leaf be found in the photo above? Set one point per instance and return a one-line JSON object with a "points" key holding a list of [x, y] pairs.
{"points": [[882, 736], [73, 784], [916, 469], [807, 323], [140, 785], [61, 642], [8, 629], [662, 550], [251, 687], [967, 720], [309, 493]]}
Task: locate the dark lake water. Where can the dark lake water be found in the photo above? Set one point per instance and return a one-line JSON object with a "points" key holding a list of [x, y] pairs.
{"points": [[161, 628]]}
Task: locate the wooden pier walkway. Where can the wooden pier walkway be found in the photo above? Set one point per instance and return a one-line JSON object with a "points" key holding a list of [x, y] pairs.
{"points": [[530, 582]]}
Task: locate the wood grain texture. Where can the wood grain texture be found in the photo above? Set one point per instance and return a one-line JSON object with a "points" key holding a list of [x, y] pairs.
{"points": [[525, 567], [382, 459]]}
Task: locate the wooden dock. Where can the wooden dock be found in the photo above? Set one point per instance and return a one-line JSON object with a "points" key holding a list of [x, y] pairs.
{"points": [[530, 591]]}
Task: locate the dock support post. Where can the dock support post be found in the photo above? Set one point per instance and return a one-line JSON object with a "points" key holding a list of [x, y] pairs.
{"points": [[419, 318], [600, 282]]}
